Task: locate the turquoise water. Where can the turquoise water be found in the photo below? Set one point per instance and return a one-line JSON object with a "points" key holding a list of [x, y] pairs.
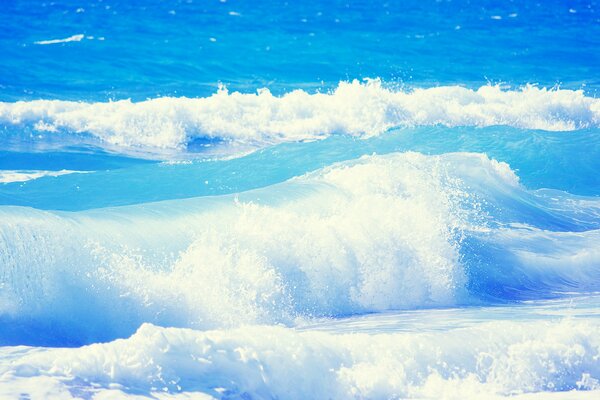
{"points": [[260, 200]]}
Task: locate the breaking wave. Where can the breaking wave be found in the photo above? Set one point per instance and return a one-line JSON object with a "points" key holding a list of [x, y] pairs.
{"points": [[353, 108], [379, 233]]}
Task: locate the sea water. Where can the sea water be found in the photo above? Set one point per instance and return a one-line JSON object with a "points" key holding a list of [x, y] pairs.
{"points": [[299, 200]]}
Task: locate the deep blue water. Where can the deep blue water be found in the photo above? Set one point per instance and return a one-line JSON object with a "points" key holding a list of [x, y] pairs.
{"points": [[145, 49], [394, 199]]}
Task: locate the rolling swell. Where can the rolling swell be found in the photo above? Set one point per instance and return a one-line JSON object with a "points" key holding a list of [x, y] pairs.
{"points": [[379, 233], [570, 164]]}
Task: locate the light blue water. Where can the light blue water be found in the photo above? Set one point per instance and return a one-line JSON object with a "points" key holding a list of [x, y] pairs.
{"points": [[359, 199]]}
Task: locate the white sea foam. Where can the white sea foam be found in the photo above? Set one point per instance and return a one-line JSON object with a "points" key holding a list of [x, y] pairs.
{"points": [[489, 360], [74, 38], [353, 108], [9, 176]]}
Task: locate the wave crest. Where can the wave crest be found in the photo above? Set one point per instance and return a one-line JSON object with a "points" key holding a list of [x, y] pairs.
{"points": [[353, 108]]}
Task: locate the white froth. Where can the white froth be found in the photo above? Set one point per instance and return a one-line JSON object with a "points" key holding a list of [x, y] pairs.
{"points": [[353, 108], [9, 176], [490, 360]]}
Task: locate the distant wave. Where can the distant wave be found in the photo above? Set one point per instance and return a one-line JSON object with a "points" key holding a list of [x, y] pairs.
{"points": [[353, 108], [74, 38], [9, 176]]}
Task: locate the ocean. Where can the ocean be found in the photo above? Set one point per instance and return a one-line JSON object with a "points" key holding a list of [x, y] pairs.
{"points": [[227, 199]]}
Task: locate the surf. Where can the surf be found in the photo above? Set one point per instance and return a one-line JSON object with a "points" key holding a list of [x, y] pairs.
{"points": [[356, 108], [379, 233]]}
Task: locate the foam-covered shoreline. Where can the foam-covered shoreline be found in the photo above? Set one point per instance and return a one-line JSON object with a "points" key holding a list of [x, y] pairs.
{"points": [[266, 362], [353, 108]]}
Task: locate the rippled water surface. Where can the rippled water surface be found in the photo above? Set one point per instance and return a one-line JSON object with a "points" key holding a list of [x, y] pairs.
{"points": [[292, 200]]}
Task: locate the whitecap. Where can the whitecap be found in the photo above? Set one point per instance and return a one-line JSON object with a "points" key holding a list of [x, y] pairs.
{"points": [[358, 109], [9, 176], [74, 38]]}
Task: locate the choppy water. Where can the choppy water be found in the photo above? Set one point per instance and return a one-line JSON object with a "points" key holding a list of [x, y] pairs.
{"points": [[227, 199]]}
